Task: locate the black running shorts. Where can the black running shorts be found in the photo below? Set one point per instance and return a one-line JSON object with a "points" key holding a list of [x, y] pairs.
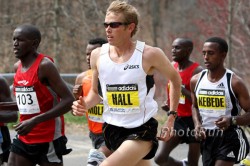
{"points": [[114, 136]]}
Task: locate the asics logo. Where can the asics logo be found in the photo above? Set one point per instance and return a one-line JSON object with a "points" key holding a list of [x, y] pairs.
{"points": [[24, 82], [131, 67]]}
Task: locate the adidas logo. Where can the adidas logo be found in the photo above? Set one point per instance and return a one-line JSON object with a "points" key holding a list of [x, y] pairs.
{"points": [[231, 154], [221, 85]]}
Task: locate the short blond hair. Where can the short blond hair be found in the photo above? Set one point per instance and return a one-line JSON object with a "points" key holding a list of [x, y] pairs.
{"points": [[130, 13]]}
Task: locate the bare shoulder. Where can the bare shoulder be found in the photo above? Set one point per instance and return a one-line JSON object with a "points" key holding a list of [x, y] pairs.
{"points": [[151, 52], [236, 79], [96, 52], [46, 61], [80, 77], [238, 84], [82, 74], [155, 59], [46, 65], [47, 69], [197, 70], [195, 78]]}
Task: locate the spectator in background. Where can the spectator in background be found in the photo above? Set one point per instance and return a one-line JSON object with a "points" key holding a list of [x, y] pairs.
{"points": [[42, 98], [181, 51], [82, 86]]}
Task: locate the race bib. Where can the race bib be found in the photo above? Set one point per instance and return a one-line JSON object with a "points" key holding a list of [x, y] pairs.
{"points": [[27, 100], [123, 98], [95, 113], [182, 97], [212, 101]]}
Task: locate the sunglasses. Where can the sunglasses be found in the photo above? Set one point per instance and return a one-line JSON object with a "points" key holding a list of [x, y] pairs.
{"points": [[114, 24]]}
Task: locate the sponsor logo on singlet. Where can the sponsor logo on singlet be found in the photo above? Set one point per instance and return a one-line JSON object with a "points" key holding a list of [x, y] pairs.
{"points": [[123, 98], [131, 67], [211, 99], [221, 85], [24, 82]]}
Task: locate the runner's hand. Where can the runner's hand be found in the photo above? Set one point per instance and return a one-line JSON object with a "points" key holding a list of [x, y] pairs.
{"points": [[165, 107], [24, 127], [79, 107], [77, 91], [200, 133], [168, 130], [223, 122]]}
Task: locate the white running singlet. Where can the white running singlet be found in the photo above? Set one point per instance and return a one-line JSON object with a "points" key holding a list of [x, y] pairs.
{"points": [[127, 90], [215, 99]]}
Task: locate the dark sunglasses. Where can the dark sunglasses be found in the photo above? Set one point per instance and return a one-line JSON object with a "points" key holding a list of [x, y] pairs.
{"points": [[114, 24]]}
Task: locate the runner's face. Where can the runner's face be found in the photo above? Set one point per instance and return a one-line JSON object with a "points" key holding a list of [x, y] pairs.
{"points": [[179, 51], [22, 45], [115, 34], [89, 49], [213, 57]]}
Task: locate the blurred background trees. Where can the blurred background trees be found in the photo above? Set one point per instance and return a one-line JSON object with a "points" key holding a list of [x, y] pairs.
{"points": [[67, 25]]}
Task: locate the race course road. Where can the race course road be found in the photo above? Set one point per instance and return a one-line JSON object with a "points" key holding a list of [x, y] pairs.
{"points": [[79, 141], [81, 144]]}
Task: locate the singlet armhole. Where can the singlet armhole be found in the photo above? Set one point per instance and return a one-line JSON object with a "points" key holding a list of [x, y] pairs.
{"points": [[199, 80]]}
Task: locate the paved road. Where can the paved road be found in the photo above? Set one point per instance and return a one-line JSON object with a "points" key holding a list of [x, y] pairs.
{"points": [[80, 143]]}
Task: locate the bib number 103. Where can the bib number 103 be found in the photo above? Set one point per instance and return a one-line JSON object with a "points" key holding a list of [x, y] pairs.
{"points": [[24, 99], [27, 100]]}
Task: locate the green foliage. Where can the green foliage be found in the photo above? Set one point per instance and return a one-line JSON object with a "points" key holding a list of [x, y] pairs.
{"points": [[10, 125], [70, 119]]}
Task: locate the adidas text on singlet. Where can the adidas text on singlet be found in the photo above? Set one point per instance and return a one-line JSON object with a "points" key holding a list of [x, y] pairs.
{"points": [[127, 90], [215, 99]]}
